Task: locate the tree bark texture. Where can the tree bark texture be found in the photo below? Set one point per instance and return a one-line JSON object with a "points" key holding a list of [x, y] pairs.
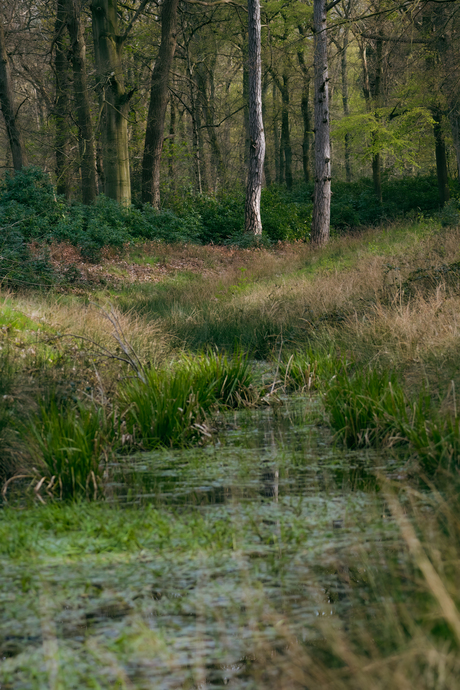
{"points": [[454, 119], [322, 194], [82, 104], [7, 106], [345, 103], [61, 102], [306, 116], [107, 49], [441, 157], [158, 103], [253, 223]]}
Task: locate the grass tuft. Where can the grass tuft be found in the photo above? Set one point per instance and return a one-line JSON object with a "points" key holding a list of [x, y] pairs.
{"points": [[71, 445]]}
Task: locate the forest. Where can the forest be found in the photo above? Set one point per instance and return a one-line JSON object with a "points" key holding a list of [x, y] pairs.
{"points": [[229, 344]]}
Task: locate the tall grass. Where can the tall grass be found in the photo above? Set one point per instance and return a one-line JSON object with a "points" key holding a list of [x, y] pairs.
{"points": [[71, 446], [171, 405]]}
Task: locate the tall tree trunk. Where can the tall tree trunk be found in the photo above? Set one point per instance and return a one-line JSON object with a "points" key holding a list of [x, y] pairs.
{"points": [[306, 115], [285, 131], [172, 144], [322, 194], [370, 93], [345, 104], [441, 157], [197, 164], [157, 106], [82, 104], [253, 223], [7, 106], [107, 49], [454, 119], [205, 76], [61, 102], [267, 170], [247, 136]]}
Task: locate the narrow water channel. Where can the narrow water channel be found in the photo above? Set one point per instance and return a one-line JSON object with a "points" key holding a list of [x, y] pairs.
{"points": [[297, 513]]}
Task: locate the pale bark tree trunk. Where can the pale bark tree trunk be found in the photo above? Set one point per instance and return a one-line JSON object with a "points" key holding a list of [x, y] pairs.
{"points": [[107, 49], [82, 104], [253, 223], [7, 106], [61, 102], [157, 106], [322, 194]]}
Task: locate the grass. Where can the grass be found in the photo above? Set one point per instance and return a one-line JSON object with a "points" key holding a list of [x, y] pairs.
{"points": [[170, 406], [305, 586]]}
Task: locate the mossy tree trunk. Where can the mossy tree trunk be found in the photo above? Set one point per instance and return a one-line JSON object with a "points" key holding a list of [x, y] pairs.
{"points": [[108, 46], [82, 103], [7, 105], [159, 93], [62, 102]]}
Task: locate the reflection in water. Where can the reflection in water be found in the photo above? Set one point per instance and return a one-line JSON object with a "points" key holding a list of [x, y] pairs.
{"points": [[294, 509], [270, 453]]}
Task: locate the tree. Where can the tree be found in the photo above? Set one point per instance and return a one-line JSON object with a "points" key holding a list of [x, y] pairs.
{"points": [[158, 102], [82, 102], [322, 193], [253, 222], [108, 46], [7, 106]]}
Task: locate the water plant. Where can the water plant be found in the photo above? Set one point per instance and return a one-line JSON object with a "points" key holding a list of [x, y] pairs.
{"points": [[71, 446], [308, 369], [368, 408], [170, 405]]}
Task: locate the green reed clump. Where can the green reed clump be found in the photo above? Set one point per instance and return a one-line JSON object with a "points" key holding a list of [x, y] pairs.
{"points": [[232, 376], [71, 445], [309, 369], [436, 441], [368, 408], [170, 406]]}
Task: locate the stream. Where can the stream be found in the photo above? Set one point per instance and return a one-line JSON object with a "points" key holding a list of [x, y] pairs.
{"points": [[305, 522]]}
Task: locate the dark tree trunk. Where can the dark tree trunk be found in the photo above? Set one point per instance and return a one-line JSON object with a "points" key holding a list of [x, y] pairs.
{"points": [[62, 102], [107, 49], [172, 144], [197, 164], [253, 223], [306, 116], [82, 104], [7, 106], [322, 194], [441, 157], [285, 132], [157, 106], [454, 119], [345, 104]]}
